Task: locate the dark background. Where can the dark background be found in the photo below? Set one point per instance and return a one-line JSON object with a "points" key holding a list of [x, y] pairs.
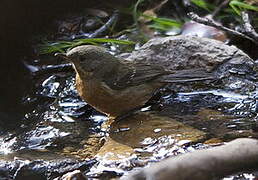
{"points": [[19, 19]]}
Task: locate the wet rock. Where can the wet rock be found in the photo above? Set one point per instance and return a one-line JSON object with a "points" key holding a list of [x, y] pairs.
{"points": [[90, 147], [41, 170], [134, 130], [219, 124], [234, 69], [115, 151], [33, 170], [8, 169], [114, 159], [74, 175], [4, 175]]}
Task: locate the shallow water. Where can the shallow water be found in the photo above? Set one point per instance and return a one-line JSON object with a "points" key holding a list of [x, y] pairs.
{"points": [[62, 124], [59, 124]]}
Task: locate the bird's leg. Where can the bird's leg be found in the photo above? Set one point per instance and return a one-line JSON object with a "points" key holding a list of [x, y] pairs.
{"points": [[128, 114], [156, 102]]}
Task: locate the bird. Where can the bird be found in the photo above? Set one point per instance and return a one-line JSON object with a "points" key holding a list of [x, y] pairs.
{"points": [[115, 86]]}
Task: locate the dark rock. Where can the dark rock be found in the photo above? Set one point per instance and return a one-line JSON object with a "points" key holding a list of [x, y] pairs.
{"points": [[41, 170], [34, 170], [74, 175]]}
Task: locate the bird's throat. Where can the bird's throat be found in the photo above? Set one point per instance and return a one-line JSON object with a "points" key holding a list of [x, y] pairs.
{"points": [[82, 73]]}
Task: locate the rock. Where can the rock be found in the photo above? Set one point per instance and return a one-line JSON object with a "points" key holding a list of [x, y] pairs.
{"points": [[114, 151], [41, 170], [74, 175], [185, 52], [234, 69], [144, 124]]}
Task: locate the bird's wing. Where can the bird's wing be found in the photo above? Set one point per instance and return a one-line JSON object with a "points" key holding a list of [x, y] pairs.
{"points": [[188, 75], [133, 74]]}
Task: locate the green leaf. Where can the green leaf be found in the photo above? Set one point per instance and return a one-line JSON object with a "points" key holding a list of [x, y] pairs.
{"points": [[60, 46], [135, 10], [203, 4], [164, 21], [104, 40], [239, 6]]}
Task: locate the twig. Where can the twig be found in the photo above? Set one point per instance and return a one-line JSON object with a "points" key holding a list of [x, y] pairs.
{"points": [[219, 8], [210, 22], [248, 27], [113, 19], [99, 32]]}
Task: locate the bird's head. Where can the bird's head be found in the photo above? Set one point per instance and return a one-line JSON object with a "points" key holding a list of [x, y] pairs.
{"points": [[88, 58]]}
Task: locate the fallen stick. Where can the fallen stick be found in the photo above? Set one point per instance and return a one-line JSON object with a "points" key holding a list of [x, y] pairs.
{"points": [[236, 156]]}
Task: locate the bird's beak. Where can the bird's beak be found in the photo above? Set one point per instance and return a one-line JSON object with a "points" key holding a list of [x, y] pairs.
{"points": [[62, 55]]}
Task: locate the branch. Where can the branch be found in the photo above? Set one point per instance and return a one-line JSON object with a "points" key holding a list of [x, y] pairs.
{"points": [[248, 27], [236, 156], [210, 22]]}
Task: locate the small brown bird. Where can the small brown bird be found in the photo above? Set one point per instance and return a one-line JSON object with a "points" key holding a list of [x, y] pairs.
{"points": [[115, 86]]}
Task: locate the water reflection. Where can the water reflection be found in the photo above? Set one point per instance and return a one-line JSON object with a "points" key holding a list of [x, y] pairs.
{"points": [[64, 125]]}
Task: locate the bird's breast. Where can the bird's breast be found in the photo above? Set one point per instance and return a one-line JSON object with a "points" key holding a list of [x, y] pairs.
{"points": [[113, 102]]}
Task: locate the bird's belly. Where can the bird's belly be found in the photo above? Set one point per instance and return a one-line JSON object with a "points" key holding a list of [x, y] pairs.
{"points": [[113, 102]]}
